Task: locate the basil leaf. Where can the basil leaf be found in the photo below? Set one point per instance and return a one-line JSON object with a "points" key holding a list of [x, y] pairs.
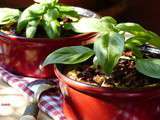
{"points": [[136, 50], [69, 12], [31, 28], [51, 14], [108, 49], [152, 34], [92, 25], [149, 67], [25, 17], [154, 39], [55, 28], [50, 24], [48, 29], [9, 16], [145, 37], [155, 42], [136, 41], [108, 19], [37, 9], [133, 28], [69, 55], [133, 44]]}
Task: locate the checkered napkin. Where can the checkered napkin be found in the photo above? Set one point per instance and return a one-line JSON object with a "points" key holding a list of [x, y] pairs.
{"points": [[48, 103]]}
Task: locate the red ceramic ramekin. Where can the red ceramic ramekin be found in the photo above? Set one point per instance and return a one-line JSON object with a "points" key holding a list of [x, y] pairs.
{"points": [[24, 56], [85, 102]]}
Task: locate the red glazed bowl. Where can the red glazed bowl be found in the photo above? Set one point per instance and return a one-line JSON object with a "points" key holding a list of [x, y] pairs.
{"points": [[24, 56], [85, 102]]}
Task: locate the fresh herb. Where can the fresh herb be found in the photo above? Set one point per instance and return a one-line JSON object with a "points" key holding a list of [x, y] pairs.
{"points": [[9, 16], [111, 43], [48, 13]]}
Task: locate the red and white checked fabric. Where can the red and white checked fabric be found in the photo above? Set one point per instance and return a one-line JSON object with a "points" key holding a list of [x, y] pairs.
{"points": [[49, 103]]}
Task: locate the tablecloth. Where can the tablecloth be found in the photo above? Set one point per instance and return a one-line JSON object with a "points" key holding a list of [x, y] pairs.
{"points": [[49, 103]]}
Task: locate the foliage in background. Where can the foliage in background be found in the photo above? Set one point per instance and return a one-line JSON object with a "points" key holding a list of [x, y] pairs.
{"points": [[46, 14], [9, 16]]}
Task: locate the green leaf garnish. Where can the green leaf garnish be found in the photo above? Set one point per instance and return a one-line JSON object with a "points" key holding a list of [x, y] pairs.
{"points": [[149, 67], [25, 17], [69, 55], [133, 28], [92, 25], [37, 9], [108, 19], [48, 12], [68, 12], [9, 16], [108, 49], [154, 39], [31, 28], [134, 43], [51, 14]]}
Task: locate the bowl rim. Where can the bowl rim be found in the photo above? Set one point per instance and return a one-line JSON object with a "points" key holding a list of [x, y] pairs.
{"points": [[116, 92], [5, 36]]}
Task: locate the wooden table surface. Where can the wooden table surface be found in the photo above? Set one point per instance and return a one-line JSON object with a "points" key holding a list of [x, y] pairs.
{"points": [[13, 103]]}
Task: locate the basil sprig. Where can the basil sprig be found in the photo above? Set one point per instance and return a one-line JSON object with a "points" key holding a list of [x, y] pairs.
{"points": [[111, 43], [45, 13]]}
